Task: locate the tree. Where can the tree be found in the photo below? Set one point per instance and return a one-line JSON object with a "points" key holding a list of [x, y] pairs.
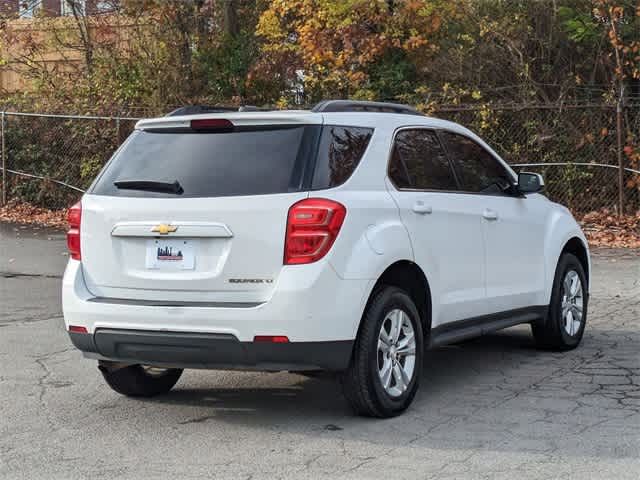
{"points": [[332, 45]]}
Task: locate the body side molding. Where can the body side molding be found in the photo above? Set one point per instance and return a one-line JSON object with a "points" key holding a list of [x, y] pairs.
{"points": [[478, 326]]}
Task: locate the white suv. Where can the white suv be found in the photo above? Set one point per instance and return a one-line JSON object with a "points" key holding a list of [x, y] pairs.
{"points": [[347, 238]]}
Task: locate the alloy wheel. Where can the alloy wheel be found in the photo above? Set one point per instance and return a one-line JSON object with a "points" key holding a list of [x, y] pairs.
{"points": [[572, 302], [396, 352]]}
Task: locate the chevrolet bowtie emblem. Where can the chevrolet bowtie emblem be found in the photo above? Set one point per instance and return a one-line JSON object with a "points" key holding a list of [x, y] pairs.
{"points": [[163, 229]]}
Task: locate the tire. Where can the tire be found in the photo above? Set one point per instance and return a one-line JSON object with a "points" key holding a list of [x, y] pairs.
{"points": [[138, 381], [559, 332], [362, 382]]}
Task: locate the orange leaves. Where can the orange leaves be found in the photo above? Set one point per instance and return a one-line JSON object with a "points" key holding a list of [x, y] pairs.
{"points": [[414, 43], [616, 18], [604, 229], [25, 213], [335, 41]]}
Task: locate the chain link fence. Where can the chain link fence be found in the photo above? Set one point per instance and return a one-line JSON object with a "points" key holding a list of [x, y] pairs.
{"points": [[50, 159], [575, 148]]}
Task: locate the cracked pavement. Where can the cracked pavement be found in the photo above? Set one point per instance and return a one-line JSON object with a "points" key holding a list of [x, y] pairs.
{"points": [[490, 408]]}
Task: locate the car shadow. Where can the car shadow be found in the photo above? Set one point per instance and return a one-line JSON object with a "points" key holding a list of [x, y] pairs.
{"points": [[286, 395], [497, 392]]}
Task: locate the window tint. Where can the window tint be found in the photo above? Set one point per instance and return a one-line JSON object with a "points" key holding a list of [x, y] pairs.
{"points": [[418, 161], [478, 170], [339, 153], [213, 164]]}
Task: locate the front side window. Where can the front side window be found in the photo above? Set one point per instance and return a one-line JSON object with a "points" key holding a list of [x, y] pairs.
{"points": [[478, 171], [418, 162]]}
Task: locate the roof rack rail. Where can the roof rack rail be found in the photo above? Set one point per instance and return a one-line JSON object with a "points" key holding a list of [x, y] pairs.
{"points": [[362, 106], [197, 109], [252, 108]]}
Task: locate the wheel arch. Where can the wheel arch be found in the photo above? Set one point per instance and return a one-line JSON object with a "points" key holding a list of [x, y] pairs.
{"points": [[577, 247], [408, 276], [563, 236]]}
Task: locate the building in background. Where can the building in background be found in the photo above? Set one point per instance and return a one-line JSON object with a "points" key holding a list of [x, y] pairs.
{"points": [[54, 8], [29, 24]]}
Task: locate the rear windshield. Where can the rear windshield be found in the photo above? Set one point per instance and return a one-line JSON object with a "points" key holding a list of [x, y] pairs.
{"points": [[247, 162]]}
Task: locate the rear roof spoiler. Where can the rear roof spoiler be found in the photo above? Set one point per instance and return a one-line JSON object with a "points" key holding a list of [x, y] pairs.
{"points": [[199, 109], [259, 118]]}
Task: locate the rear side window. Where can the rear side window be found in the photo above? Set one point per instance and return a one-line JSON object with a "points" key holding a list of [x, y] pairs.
{"points": [[419, 162], [213, 164], [339, 152], [477, 169]]}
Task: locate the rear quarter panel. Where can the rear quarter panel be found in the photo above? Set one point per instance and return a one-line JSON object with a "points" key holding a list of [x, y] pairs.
{"points": [[372, 237]]}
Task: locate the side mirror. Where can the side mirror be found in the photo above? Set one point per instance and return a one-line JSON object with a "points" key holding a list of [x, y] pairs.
{"points": [[530, 182]]}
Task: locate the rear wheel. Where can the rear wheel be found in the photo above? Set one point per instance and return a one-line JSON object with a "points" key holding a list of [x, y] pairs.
{"points": [[567, 314], [139, 380], [384, 373]]}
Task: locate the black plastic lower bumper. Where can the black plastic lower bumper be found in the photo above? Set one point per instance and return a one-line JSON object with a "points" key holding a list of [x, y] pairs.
{"points": [[207, 350]]}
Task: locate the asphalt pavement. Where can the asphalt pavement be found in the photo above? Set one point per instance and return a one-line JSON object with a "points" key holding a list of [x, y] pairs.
{"points": [[492, 408]]}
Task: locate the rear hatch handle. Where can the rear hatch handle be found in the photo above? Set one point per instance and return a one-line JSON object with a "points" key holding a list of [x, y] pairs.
{"points": [[172, 230]]}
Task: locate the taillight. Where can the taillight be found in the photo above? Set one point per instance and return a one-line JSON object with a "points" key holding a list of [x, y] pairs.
{"points": [[271, 338], [313, 225], [74, 215], [211, 125], [77, 329]]}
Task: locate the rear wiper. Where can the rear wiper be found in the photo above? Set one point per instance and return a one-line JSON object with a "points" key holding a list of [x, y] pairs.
{"points": [[150, 186]]}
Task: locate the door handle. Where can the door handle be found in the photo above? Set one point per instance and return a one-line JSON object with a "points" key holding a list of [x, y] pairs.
{"points": [[489, 214], [422, 209]]}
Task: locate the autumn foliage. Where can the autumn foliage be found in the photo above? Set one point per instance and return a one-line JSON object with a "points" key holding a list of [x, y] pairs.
{"points": [[147, 57], [335, 43], [151, 55]]}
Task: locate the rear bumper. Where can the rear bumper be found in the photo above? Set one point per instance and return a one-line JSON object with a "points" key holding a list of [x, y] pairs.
{"points": [[318, 311], [198, 350]]}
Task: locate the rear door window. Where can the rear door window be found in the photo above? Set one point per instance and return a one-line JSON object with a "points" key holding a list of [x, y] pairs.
{"points": [[419, 162], [253, 162], [478, 170]]}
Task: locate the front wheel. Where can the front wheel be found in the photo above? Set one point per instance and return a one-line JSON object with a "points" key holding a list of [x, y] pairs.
{"points": [[567, 315], [139, 380], [386, 363]]}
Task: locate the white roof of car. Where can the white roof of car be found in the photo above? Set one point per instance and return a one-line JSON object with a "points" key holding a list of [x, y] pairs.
{"points": [[389, 122], [356, 119]]}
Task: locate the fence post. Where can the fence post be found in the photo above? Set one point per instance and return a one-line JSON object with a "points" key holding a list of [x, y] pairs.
{"points": [[4, 161], [619, 148], [117, 132]]}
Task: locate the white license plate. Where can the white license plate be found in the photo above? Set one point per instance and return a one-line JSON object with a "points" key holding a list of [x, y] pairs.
{"points": [[170, 254]]}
